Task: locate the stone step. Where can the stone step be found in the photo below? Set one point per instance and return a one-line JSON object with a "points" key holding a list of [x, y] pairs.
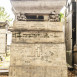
{"points": [[38, 54], [38, 71], [52, 26]]}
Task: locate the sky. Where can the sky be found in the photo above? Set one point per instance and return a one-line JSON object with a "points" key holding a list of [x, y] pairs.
{"points": [[8, 8]]}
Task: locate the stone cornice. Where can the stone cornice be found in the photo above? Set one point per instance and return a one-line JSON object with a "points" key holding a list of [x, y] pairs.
{"points": [[37, 6]]}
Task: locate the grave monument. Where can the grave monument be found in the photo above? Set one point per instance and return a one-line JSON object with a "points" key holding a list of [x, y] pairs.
{"points": [[38, 43], [3, 39]]}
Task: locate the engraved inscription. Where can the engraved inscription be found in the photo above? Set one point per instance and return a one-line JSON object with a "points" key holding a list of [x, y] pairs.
{"points": [[38, 54], [38, 37]]}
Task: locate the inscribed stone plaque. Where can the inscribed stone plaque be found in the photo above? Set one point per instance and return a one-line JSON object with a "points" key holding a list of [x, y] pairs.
{"points": [[38, 37]]}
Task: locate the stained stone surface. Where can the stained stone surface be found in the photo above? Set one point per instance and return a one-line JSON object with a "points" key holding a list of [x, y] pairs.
{"points": [[37, 6], [2, 41], [38, 54], [38, 37], [38, 47], [38, 71], [49, 26]]}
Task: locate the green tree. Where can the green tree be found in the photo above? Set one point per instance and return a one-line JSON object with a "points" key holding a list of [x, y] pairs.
{"points": [[4, 16], [61, 16]]}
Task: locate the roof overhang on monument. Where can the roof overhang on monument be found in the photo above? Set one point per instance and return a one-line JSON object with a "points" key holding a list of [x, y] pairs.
{"points": [[37, 6], [3, 24]]}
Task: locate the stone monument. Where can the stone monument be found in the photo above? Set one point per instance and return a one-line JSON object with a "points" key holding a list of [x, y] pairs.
{"points": [[38, 46], [3, 39]]}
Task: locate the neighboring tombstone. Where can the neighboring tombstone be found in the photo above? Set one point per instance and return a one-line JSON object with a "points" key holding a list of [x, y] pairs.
{"points": [[3, 38], [75, 47], [38, 46], [70, 30]]}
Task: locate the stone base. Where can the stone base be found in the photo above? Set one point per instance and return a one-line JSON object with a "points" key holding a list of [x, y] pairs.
{"points": [[38, 60], [38, 71]]}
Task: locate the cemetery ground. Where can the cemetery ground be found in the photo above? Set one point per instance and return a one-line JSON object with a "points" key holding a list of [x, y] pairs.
{"points": [[4, 65]]}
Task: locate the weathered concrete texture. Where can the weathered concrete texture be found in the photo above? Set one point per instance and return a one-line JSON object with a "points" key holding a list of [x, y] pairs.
{"points": [[54, 26], [2, 41], [38, 71], [38, 37], [37, 6], [38, 54], [70, 29]]}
